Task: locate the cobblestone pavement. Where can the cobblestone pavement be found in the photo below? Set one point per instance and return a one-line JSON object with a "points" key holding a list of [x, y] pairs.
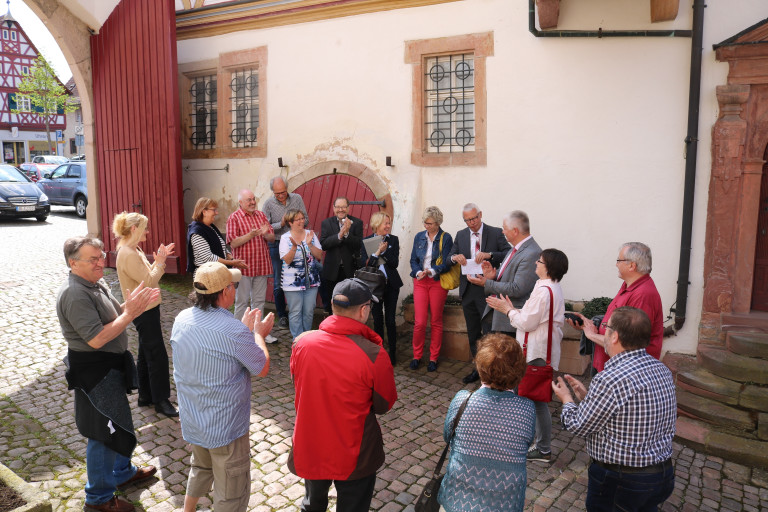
{"points": [[40, 442]]}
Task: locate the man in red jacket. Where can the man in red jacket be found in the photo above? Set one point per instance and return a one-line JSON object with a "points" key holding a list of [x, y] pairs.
{"points": [[343, 378]]}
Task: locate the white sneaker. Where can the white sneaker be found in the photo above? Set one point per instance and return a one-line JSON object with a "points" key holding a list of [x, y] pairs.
{"points": [[271, 339]]}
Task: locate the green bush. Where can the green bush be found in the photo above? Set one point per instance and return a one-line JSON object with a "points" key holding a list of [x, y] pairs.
{"points": [[596, 306]]}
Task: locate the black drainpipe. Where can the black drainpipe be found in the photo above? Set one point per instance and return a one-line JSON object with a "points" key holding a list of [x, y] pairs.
{"points": [[691, 139]]}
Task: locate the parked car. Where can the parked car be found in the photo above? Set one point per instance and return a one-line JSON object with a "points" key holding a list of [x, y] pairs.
{"points": [[32, 171], [78, 157], [20, 197], [67, 185], [42, 164]]}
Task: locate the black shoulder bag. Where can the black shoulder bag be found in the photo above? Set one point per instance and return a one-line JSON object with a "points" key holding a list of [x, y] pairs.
{"points": [[427, 500]]}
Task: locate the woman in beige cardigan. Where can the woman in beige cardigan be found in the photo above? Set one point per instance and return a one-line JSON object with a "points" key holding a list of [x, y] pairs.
{"points": [[133, 268]]}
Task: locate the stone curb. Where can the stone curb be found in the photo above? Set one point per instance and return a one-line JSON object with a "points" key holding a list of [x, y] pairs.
{"points": [[36, 501]]}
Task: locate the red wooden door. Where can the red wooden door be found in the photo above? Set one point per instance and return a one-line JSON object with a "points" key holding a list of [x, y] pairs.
{"points": [[136, 112], [318, 195], [760, 284]]}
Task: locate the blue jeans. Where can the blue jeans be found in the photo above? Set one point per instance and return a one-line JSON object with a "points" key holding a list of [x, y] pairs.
{"points": [[106, 469], [301, 310], [277, 270], [642, 492]]}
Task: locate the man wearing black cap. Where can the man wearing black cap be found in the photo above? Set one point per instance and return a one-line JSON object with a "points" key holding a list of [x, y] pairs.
{"points": [[343, 378]]}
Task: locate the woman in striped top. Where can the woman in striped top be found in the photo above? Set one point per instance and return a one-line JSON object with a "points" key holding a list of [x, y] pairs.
{"points": [[204, 240]]}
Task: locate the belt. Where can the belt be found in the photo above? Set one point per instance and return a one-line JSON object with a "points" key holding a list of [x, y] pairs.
{"points": [[618, 468]]}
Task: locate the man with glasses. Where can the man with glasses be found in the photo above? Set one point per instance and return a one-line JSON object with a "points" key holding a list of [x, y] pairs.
{"points": [[638, 290], [516, 274], [248, 233], [101, 370], [627, 417], [214, 357], [477, 242], [275, 209], [341, 237], [343, 378]]}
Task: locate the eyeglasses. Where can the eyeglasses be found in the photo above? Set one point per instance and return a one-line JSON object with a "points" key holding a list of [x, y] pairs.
{"points": [[540, 261], [472, 219], [605, 325], [619, 261], [95, 259], [282, 193], [235, 285], [340, 207], [296, 219], [429, 223]]}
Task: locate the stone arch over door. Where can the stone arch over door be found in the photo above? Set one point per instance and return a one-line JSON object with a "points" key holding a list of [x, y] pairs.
{"points": [[365, 174], [74, 38], [739, 139]]}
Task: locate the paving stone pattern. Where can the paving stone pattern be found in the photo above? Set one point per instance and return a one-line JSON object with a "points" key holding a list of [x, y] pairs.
{"points": [[40, 442]]}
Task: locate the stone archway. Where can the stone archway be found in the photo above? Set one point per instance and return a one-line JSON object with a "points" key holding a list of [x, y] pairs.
{"points": [[365, 174], [74, 38]]}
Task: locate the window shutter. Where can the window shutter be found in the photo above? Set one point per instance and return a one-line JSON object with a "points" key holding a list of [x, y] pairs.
{"points": [[11, 101]]}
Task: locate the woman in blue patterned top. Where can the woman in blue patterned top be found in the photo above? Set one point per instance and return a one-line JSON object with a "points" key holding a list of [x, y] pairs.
{"points": [[300, 250], [486, 467]]}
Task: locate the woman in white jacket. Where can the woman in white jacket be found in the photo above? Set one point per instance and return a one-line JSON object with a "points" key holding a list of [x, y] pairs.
{"points": [[533, 320]]}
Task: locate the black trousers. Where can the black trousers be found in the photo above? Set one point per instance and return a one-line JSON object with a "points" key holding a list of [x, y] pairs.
{"points": [[152, 363], [473, 304], [352, 495], [384, 314]]}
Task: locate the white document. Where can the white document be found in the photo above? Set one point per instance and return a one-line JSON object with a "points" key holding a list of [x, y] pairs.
{"points": [[372, 244], [471, 268]]}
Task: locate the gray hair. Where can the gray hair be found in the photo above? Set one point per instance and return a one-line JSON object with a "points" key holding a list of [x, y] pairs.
{"points": [[274, 179], [244, 191], [469, 207], [518, 219], [73, 245], [639, 254], [434, 213]]}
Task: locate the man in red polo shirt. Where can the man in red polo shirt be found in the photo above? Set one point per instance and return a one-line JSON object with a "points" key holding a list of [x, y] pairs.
{"points": [[248, 232], [639, 291]]}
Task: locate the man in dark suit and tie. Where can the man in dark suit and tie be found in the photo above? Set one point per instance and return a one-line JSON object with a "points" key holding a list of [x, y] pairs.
{"points": [[516, 274], [341, 237], [477, 242]]}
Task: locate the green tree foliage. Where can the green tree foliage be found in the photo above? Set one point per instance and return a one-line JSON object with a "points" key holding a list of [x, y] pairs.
{"points": [[46, 95]]}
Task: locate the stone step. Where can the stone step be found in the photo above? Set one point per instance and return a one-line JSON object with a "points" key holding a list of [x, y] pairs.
{"points": [[705, 384], [755, 321], [748, 344], [706, 437], [714, 412], [732, 366]]}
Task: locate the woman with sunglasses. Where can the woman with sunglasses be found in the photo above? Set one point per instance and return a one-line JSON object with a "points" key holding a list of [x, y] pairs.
{"points": [[532, 324], [300, 250], [204, 240]]}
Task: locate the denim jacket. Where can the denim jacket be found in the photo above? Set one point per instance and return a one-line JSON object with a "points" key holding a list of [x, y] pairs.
{"points": [[420, 250]]}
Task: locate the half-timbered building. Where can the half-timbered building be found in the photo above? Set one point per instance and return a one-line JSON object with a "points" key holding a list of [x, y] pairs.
{"points": [[23, 135]]}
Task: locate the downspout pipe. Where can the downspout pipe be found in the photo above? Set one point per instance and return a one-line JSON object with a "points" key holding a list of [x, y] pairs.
{"points": [[599, 33], [691, 146], [692, 136]]}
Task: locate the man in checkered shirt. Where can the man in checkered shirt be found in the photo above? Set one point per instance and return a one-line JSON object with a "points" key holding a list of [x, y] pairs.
{"points": [[628, 419], [248, 232]]}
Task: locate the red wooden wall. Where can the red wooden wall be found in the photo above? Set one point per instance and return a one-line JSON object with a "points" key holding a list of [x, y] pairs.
{"points": [[136, 112]]}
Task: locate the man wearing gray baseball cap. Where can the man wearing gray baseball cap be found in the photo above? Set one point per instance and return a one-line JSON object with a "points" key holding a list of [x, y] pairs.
{"points": [[341, 367], [214, 357]]}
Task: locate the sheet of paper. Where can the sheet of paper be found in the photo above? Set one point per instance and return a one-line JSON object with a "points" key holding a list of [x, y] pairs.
{"points": [[471, 268], [372, 244]]}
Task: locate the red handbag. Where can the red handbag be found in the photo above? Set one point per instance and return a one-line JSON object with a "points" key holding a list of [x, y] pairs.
{"points": [[537, 381]]}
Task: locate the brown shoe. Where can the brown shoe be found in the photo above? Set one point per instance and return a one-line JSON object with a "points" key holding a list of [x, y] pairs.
{"points": [[113, 505], [141, 474]]}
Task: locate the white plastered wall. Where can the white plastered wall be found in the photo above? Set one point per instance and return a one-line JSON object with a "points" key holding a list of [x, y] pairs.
{"points": [[585, 135]]}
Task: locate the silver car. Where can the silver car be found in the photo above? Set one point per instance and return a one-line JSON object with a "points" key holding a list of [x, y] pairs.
{"points": [[67, 185]]}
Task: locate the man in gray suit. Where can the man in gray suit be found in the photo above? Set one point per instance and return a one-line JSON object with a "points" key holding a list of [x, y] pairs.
{"points": [[479, 242], [517, 273]]}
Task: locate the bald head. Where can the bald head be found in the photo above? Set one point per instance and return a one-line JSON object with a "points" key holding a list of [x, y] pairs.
{"points": [[247, 200]]}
